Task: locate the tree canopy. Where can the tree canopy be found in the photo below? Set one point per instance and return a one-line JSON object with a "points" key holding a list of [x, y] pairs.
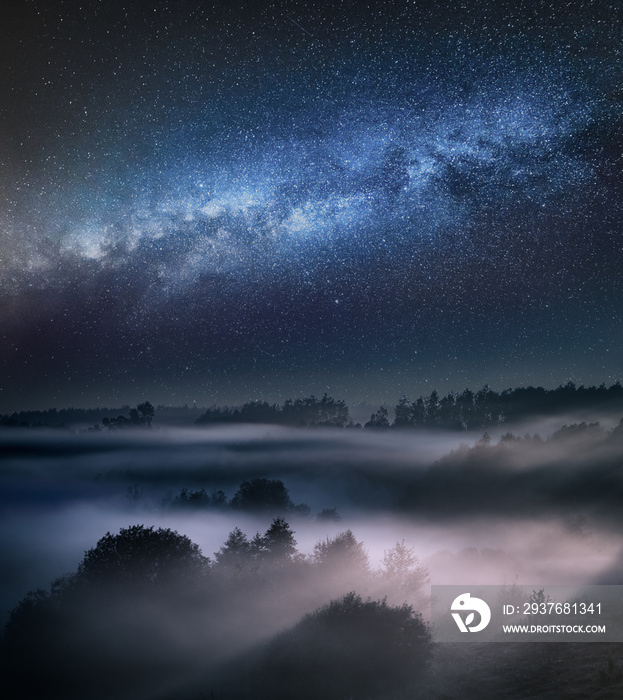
{"points": [[142, 556]]}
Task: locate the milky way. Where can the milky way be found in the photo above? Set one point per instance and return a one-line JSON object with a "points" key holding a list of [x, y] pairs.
{"points": [[225, 202]]}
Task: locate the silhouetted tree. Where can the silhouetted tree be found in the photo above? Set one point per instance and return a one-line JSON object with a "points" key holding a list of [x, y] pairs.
{"points": [[277, 544], [141, 416], [403, 414], [260, 556], [418, 411], [262, 495], [218, 499], [432, 409], [236, 553], [191, 499], [378, 419], [198, 499]]}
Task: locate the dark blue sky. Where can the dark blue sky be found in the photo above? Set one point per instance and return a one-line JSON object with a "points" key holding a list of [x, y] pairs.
{"points": [[215, 203]]}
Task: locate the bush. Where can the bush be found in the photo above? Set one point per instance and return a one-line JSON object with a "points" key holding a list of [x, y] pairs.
{"points": [[349, 648]]}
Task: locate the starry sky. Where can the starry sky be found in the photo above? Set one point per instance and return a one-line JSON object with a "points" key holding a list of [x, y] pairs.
{"points": [[219, 202]]}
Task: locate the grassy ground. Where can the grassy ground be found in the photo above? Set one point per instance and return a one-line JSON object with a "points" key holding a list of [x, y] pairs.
{"points": [[536, 671]]}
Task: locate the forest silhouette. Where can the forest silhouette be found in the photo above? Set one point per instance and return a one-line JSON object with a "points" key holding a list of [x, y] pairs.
{"points": [[146, 610], [460, 411], [464, 410]]}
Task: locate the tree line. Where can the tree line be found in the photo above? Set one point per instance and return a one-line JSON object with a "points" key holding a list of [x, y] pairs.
{"points": [[140, 416], [468, 410], [326, 412], [463, 410]]}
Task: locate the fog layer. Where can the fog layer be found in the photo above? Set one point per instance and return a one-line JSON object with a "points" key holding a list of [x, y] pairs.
{"points": [[442, 492]]}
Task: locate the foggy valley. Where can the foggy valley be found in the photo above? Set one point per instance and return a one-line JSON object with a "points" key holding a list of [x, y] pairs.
{"points": [[374, 515]]}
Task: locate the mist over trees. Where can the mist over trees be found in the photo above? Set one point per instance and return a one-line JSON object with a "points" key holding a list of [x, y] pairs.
{"points": [[147, 614], [575, 469], [99, 629], [146, 610]]}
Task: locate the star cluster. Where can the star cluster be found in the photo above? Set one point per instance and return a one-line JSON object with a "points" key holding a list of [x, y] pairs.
{"points": [[228, 201]]}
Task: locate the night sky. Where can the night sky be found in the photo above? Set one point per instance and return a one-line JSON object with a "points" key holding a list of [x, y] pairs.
{"points": [[233, 201]]}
